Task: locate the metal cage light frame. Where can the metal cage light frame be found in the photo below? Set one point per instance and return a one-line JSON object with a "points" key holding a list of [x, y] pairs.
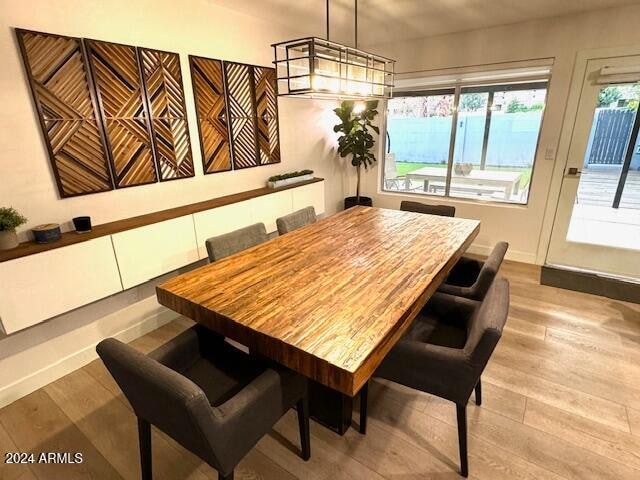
{"points": [[318, 67]]}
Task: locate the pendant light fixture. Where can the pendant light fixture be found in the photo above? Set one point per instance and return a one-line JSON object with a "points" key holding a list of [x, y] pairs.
{"points": [[317, 67]]}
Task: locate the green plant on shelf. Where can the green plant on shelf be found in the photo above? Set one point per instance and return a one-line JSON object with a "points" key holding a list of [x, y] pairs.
{"points": [[10, 219], [285, 176]]}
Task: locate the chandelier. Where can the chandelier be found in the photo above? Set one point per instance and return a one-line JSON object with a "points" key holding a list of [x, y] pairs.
{"points": [[317, 67]]}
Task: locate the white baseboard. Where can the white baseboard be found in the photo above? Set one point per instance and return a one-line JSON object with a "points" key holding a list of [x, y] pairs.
{"points": [[515, 255], [151, 317]]}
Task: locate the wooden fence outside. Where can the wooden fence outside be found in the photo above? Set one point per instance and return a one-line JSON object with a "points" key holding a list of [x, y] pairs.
{"points": [[610, 136]]}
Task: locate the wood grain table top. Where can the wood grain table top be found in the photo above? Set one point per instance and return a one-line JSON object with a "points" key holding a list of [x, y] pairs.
{"points": [[328, 300]]}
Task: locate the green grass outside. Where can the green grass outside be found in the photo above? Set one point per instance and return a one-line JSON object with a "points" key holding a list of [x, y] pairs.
{"points": [[406, 167]]}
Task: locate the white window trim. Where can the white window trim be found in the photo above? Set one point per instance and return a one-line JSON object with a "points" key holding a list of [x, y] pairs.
{"points": [[500, 77]]}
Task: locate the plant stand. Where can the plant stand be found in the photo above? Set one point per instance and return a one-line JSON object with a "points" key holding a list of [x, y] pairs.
{"points": [[353, 201]]}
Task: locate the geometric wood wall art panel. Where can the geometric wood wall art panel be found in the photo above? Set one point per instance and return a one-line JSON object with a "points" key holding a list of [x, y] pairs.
{"points": [[209, 96], [118, 83], [59, 78], [165, 97], [242, 114], [266, 95]]}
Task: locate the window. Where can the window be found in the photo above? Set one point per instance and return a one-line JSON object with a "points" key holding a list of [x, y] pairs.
{"points": [[465, 142]]}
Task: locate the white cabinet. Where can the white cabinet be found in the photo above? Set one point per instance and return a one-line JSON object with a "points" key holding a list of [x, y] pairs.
{"points": [[217, 221], [309, 195], [150, 251], [267, 208], [41, 286]]}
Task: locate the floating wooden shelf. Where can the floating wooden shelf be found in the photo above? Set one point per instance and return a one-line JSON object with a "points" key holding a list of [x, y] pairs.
{"points": [[70, 238]]}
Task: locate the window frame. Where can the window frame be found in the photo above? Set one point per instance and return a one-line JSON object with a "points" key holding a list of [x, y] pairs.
{"points": [[457, 90]]}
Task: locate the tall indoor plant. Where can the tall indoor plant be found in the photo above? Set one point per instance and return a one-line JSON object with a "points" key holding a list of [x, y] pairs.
{"points": [[10, 219], [356, 140]]}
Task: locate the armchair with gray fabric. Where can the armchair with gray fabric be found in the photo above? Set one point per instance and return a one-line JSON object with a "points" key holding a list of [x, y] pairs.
{"points": [[213, 399], [233, 242], [471, 278], [295, 220], [417, 207], [446, 349]]}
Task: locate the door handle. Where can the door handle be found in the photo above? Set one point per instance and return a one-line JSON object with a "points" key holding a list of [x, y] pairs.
{"points": [[572, 172]]}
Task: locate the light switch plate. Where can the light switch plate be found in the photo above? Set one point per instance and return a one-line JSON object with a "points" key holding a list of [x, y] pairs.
{"points": [[550, 153]]}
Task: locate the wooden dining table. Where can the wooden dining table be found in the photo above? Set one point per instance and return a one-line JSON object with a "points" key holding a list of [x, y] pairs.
{"points": [[328, 300]]}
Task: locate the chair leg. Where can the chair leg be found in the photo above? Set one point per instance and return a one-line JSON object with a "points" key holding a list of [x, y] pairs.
{"points": [[479, 392], [303, 423], [227, 477], [462, 439], [144, 439], [364, 400]]}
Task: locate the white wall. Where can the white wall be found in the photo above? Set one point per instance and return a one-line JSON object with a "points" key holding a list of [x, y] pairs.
{"points": [[525, 227], [195, 27], [38, 355]]}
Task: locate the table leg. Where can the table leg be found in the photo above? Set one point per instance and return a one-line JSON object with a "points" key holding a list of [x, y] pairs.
{"points": [[364, 400], [330, 408]]}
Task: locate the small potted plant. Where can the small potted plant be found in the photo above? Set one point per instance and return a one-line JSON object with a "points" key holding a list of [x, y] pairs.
{"points": [[10, 219], [356, 140], [289, 178]]}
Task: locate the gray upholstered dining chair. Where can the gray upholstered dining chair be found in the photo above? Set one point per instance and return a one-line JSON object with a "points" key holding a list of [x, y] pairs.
{"points": [[227, 244], [446, 349], [295, 220], [471, 278], [210, 397], [417, 207]]}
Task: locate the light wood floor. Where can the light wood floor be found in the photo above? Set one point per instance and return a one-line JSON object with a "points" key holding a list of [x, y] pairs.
{"points": [[561, 400]]}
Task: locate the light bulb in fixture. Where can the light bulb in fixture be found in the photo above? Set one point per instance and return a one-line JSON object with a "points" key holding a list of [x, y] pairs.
{"points": [[321, 83]]}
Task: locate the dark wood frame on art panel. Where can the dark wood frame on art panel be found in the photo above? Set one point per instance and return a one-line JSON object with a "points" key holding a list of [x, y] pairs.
{"points": [[90, 43], [95, 131], [201, 115], [153, 119], [276, 113], [252, 114], [58, 175], [226, 94], [254, 111]]}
